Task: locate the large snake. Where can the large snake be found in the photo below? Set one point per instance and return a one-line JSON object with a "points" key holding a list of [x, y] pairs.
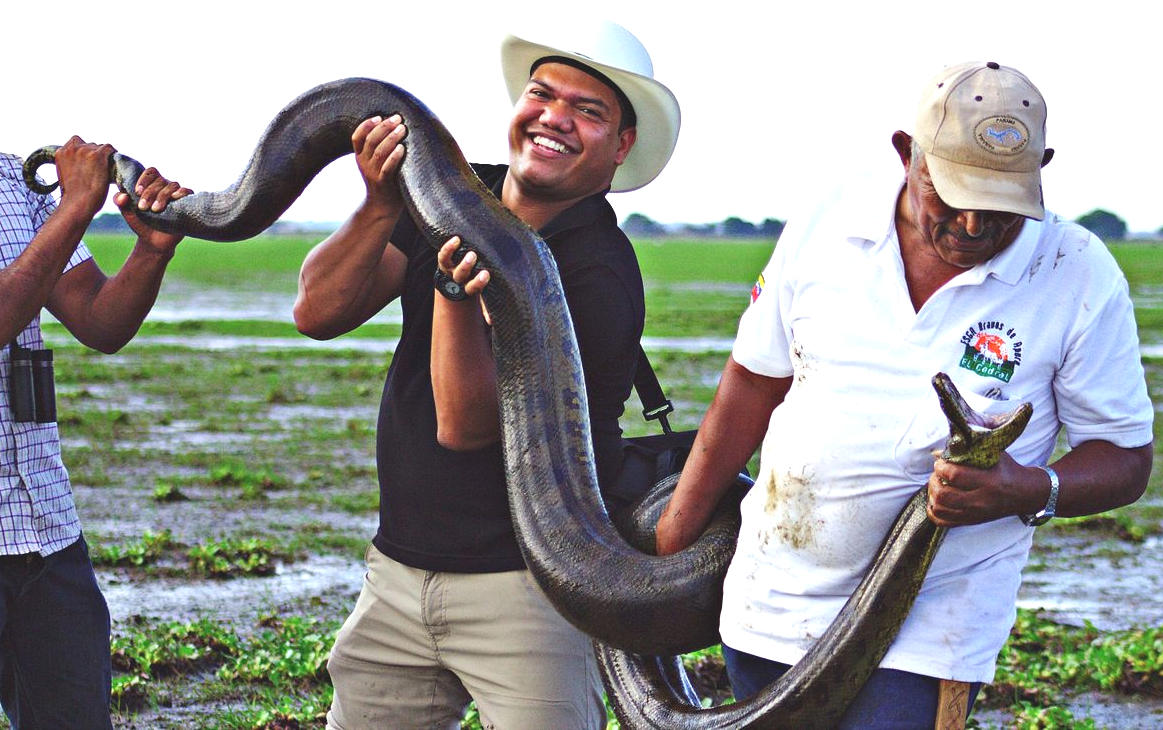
{"points": [[622, 596]]}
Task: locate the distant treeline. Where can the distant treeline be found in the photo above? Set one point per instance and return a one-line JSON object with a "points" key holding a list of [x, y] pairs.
{"points": [[1102, 223], [638, 225]]}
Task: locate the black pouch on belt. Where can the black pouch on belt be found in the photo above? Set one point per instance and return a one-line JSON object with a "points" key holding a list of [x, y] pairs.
{"points": [[21, 388], [31, 387], [44, 387]]}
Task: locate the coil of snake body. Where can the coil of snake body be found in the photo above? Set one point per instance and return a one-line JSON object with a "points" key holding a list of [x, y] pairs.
{"points": [[639, 608]]}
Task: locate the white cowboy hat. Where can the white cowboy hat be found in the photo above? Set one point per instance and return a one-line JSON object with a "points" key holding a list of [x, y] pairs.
{"points": [[614, 52]]}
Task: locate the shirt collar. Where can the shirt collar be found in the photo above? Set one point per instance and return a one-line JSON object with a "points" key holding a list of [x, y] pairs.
{"points": [[582, 213]]}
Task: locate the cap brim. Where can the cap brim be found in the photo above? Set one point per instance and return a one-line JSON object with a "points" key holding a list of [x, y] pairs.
{"points": [[654, 105], [974, 188]]}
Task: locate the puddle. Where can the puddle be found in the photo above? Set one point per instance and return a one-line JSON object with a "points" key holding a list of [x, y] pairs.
{"points": [[319, 579], [1114, 585], [180, 302]]}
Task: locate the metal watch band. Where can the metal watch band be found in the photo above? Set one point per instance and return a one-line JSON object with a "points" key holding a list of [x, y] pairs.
{"points": [[1044, 515], [447, 286]]}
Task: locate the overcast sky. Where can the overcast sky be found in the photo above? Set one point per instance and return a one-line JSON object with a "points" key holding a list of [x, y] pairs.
{"points": [[777, 98]]}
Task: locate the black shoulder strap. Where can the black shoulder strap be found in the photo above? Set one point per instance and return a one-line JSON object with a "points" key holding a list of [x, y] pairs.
{"points": [[655, 405]]}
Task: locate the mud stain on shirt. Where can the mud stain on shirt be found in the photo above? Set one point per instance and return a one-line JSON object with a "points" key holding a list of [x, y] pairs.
{"points": [[791, 502]]}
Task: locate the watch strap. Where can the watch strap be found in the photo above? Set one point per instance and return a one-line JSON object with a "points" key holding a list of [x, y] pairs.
{"points": [[1047, 513]]}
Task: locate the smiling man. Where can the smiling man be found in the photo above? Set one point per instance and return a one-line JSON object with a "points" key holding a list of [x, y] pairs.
{"points": [[448, 613], [959, 269]]}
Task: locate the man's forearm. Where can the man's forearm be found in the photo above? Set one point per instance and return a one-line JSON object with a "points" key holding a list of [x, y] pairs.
{"points": [[732, 429], [464, 376], [1097, 476], [121, 303], [27, 283]]}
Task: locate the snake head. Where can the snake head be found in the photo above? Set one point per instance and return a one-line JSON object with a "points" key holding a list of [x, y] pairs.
{"points": [[976, 439]]}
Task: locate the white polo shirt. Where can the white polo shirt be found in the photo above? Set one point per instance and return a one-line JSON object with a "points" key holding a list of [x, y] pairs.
{"points": [[1048, 320]]}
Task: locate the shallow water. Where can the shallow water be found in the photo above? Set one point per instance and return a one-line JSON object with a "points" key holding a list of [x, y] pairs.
{"points": [[1113, 585], [328, 579]]}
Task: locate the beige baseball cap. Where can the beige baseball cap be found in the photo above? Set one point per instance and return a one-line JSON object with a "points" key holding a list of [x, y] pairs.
{"points": [[982, 127]]}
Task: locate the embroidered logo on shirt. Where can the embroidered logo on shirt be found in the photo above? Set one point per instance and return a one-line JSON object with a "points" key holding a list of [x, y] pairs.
{"points": [[991, 350], [757, 289]]}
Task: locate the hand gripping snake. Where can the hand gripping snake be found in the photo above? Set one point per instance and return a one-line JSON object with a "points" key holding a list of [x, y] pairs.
{"points": [[635, 605]]}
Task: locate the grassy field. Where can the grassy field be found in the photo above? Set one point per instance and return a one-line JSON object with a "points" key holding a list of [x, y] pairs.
{"points": [[218, 471]]}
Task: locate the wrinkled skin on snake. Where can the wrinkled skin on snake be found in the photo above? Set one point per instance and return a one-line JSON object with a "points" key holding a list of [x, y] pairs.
{"points": [[653, 691], [639, 607]]}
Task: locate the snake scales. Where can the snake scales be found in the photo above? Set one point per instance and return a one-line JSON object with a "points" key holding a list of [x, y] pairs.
{"points": [[638, 607]]}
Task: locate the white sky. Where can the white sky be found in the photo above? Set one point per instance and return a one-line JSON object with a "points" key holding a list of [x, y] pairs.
{"points": [[777, 98]]}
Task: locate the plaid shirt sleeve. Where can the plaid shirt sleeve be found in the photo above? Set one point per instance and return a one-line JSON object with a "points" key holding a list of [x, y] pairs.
{"points": [[37, 512]]}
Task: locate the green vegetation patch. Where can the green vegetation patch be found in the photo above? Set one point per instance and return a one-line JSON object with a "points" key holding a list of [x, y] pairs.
{"points": [[1044, 662]]}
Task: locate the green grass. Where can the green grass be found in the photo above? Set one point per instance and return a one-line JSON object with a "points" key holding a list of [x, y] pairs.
{"points": [[268, 263], [271, 262], [682, 261], [288, 437]]}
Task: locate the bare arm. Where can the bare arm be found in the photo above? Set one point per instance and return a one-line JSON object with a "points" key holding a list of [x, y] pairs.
{"points": [[1094, 477], [83, 171], [100, 312], [106, 312], [355, 272], [464, 374], [731, 430]]}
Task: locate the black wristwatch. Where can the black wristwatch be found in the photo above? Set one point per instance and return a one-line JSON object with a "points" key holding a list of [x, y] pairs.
{"points": [[1045, 514], [447, 286]]}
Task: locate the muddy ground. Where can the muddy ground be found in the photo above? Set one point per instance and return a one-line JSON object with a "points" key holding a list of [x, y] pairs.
{"points": [[172, 412]]}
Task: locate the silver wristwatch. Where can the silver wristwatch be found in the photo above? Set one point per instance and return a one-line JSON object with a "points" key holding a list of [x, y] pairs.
{"points": [[1045, 514]]}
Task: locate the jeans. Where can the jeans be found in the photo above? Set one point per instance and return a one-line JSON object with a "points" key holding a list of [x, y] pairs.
{"points": [[55, 669], [890, 700]]}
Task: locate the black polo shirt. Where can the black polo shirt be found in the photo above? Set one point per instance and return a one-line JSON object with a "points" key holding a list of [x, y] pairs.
{"points": [[448, 510]]}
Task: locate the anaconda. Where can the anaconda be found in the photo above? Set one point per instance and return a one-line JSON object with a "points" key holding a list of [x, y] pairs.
{"points": [[622, 596], [651, 691]]}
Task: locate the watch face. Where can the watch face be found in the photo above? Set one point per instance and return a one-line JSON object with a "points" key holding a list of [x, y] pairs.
{"points": [[448, 287]]}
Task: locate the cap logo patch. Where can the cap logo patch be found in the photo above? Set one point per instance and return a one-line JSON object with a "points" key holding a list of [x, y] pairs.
{"points": [[1002, 135]]}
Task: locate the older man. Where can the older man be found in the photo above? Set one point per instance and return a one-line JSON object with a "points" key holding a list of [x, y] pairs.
{"points": [[448, 613], [958, 269]]}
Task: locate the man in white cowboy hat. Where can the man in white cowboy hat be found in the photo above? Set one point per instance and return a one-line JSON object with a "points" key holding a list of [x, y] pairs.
{"points": [[448, 613], [957, 268]]}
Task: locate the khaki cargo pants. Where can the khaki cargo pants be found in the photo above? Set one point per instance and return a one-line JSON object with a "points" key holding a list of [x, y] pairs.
{"points": [[420, 645]]}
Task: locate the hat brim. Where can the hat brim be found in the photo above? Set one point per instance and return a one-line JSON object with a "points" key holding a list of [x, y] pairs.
{"points": [[974, 188], [654, 104]]}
